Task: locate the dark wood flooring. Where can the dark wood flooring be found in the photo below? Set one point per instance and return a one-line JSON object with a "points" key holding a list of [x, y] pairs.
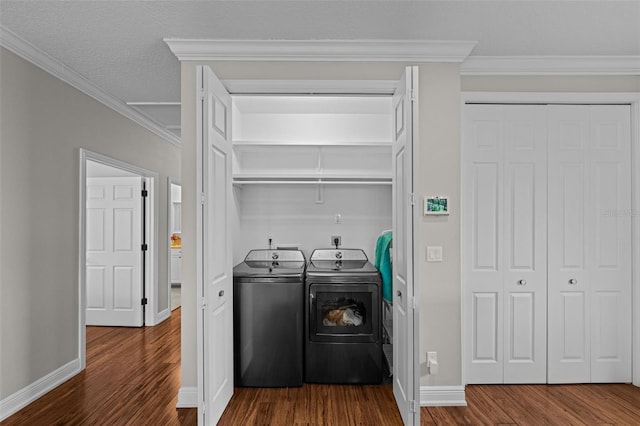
{"points": [[133, 377]]}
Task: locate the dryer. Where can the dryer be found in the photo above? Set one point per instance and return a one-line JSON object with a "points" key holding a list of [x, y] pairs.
{"points": [[343, 328]]}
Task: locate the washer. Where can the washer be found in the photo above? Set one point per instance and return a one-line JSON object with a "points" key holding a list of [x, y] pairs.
{"points": [[268, 318], [343, 325]]}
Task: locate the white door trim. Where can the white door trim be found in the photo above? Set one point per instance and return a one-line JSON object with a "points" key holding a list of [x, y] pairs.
{"points": [[152, 236], [170, 181], [628, 98]]}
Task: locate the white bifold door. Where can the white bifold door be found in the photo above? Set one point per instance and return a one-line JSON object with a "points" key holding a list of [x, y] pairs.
{"points": [[504, 247], [114, 251], [546, 229], [589, 244]]}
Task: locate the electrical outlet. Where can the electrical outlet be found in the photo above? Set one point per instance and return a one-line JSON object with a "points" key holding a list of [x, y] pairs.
{"points": [[336, 241]]}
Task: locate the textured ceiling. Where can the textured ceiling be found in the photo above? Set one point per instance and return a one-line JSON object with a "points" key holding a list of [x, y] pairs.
{"points": [[118, 45]]}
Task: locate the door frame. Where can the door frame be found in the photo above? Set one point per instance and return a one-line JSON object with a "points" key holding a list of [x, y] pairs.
{"points": [[170, 181], [151, 221], [337, 87], [584, 98]]}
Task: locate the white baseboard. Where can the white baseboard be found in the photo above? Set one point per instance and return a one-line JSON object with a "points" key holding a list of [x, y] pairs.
{"points": [[35, 390], [187, 397], [161, 316], [441, 396]]}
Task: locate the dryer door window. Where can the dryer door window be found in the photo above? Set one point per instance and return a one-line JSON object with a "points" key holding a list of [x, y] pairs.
{"points": [[344, 312]]}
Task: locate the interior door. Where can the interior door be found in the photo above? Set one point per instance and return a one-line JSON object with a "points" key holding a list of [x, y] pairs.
{"points": [[114, 251], [504, 191], [589, 244], [569, 219], [405, 370], [482, 247], [504, 250], [525, 242], [215, 320]]}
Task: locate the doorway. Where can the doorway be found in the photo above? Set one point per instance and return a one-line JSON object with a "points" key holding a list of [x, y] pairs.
{"points": [[214, 262], [117, 250], [175, 242]]}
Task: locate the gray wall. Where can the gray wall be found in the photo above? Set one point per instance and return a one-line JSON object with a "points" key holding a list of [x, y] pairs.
{"points": [[43, 124]]}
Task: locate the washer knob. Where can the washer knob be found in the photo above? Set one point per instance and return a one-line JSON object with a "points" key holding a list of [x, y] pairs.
{"points": [[338, 255]]}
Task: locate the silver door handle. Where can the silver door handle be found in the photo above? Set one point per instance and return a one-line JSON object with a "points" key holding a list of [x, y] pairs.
{"points": [[221, 293], [573, 281], [522, 282]]}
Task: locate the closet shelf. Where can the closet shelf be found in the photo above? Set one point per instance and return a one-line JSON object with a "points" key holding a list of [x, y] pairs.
{"points": [[302, 180], [240, 144]]}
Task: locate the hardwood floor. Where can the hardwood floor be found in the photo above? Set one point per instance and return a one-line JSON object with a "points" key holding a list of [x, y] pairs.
{"points": [[313, 405], [133, 377], [590, 404]]}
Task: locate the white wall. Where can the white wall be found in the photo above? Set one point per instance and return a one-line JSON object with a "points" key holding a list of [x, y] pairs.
{"points": [[290, 214], [550, 83], [43, 124]]}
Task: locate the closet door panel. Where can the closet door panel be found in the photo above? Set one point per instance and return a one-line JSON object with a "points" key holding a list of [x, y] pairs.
{"points": [[525, 271], [568, 258], [482, 249], [611, 242]]}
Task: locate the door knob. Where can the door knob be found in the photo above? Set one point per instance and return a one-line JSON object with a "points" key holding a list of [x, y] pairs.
{"points": [[221, 293], [522, 282], [399, 293], [573, 281]]}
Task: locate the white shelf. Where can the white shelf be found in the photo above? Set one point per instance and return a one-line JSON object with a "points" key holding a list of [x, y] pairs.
{"points": [[310, 140], [264, 143], [309, 182], [311, 175]]}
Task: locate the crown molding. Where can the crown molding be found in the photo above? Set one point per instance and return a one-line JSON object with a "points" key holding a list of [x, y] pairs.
{"points": [[320, 50], [39, 58], [551, 65]]}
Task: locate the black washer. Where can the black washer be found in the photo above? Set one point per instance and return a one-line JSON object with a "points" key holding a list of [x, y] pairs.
{"points": [[268, 318]]}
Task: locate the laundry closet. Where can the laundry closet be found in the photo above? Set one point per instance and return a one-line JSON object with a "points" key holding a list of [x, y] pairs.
{"points": [[315, 172], [547, 243]]}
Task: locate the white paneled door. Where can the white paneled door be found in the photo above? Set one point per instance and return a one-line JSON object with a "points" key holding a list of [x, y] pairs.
{"points": [[547, 243], [589, 244], [505, 243], [215, 296], [404, 316], [114, 251]]}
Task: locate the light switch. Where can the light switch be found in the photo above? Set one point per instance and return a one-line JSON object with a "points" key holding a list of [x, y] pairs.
{"points": [[434, 254]]}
